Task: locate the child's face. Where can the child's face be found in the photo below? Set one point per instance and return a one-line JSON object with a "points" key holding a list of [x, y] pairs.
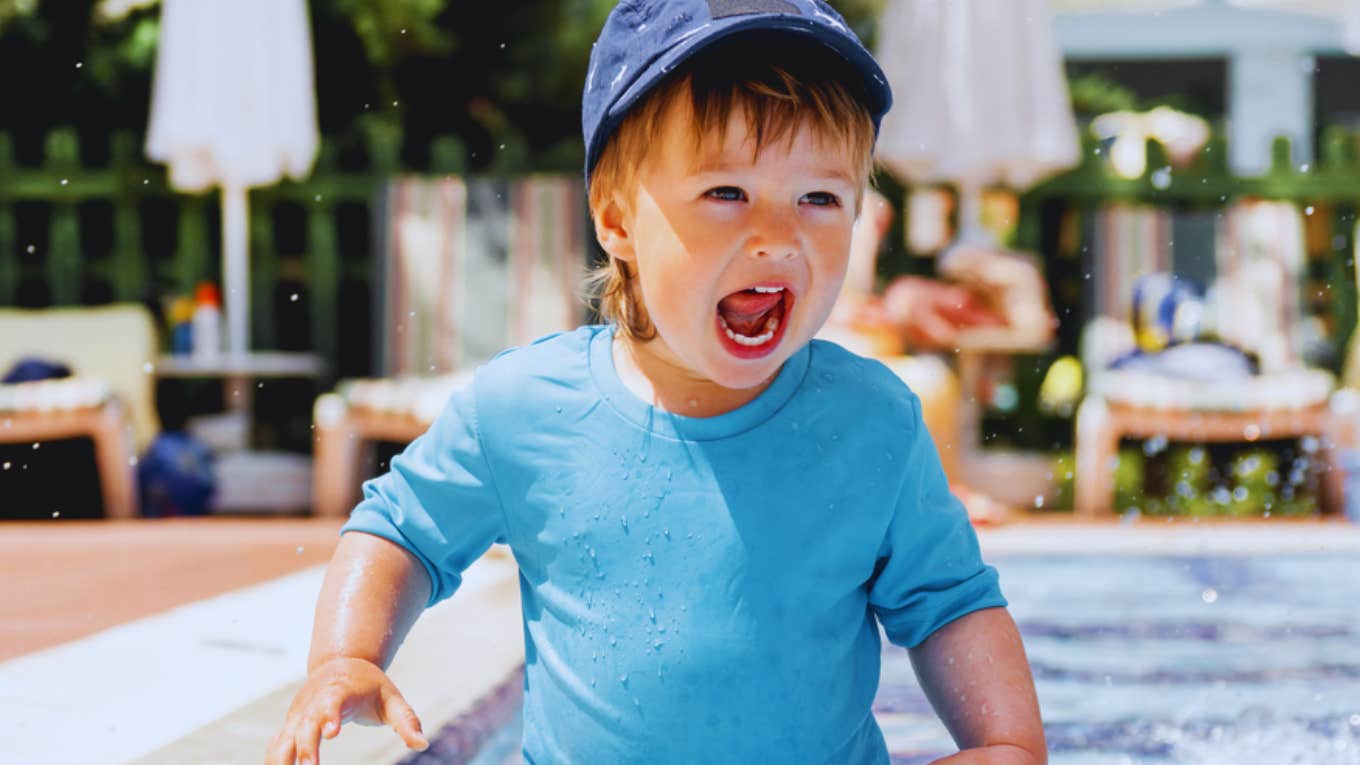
{"points": [[738, 261]]}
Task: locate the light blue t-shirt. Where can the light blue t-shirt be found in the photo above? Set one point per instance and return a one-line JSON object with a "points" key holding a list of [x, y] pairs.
{"points": [[695, 590]]}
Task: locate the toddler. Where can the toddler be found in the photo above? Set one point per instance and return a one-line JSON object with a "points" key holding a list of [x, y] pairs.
{"points": [[713, 514]]}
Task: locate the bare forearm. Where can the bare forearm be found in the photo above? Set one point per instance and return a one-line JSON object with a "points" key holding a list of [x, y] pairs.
{"points": [[372, 593], [977, 678]]}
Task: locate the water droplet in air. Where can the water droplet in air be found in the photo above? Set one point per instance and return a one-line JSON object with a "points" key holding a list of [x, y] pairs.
{"points": [[56, 513], [1209, 595]]}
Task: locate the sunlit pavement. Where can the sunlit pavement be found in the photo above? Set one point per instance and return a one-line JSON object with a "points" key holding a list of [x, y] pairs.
{"points": [[183, 641]]}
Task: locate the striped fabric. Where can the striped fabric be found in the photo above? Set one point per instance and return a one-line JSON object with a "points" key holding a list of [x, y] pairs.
{"points": [[1130, 241], [471, 267]]}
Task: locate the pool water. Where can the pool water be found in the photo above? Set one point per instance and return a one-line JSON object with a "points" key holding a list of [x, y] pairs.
{"points": [[1224, 660], [1231, 660]]}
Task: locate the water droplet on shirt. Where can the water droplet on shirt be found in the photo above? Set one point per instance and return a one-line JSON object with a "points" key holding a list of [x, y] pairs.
{"points": [[559, 410], [623, 680], [623, 519]]}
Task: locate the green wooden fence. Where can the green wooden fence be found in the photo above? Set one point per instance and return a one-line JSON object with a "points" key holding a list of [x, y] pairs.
{"points": [[163, 242]]}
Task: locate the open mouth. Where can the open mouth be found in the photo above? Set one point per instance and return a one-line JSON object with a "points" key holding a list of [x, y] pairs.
{"points": [[751, 321]]}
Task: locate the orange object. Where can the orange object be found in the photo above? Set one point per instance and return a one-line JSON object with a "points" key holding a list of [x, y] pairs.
{"points": [[206, 294]]}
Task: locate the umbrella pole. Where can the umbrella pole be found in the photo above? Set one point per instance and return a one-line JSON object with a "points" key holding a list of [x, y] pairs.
{"points": [[235, 268], [971, 231]]}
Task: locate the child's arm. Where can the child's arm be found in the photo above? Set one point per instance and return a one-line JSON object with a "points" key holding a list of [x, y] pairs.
{"points": [[977, 678], [372, 594]]}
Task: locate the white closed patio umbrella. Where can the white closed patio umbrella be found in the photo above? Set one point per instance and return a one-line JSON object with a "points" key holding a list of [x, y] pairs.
{"points": [[233, 105], [980, 98]]}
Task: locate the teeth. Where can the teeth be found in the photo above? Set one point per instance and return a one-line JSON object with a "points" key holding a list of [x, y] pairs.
{"points": [[771, 324], [768, 289]]}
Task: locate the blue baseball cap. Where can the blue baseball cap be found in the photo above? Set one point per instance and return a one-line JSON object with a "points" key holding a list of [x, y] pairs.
{"points": [[643, 41]]}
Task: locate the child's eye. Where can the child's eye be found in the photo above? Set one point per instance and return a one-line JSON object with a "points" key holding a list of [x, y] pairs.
{"points": [[727, 193], [823, 199]]}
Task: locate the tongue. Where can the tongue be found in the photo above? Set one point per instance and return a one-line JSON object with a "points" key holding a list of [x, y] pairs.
{"points": [[745, 311]]}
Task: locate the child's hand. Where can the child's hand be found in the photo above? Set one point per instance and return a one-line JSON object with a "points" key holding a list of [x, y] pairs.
{"points": [[340, 690]]}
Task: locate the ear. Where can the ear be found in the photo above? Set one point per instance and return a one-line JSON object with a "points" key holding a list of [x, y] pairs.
{"points": [[613, 228]]}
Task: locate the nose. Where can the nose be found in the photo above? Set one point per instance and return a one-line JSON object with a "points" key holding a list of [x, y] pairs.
{"points": [[774, 235]]}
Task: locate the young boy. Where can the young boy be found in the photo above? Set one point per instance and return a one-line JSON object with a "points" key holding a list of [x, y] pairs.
{"points": [[712, 514]]}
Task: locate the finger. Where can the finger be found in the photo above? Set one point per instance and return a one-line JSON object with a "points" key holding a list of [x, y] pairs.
{"points": [[308, 740], [403, 720], [332, 719], [281, 750]]}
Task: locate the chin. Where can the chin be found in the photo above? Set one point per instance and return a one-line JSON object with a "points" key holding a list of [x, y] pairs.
{"points": [[743, 375]]}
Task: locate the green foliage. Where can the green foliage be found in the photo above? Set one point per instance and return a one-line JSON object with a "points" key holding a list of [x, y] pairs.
{"points": [[11, 9], [1094, 93], [123, 48], [1250, 484], [393, 29]]}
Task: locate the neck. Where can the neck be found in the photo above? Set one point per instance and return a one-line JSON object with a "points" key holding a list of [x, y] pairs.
{"points": [[648, 370]]}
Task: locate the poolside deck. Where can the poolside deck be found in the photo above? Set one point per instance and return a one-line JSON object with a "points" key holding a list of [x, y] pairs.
{"points": [[100, 619]]}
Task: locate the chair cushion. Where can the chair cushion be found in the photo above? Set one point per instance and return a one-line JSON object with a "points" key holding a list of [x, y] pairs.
{"points": [[410, 396], [66, 393], [1292, 389]]}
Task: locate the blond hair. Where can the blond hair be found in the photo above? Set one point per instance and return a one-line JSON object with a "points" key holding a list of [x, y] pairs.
{"points": [[810, 86]]}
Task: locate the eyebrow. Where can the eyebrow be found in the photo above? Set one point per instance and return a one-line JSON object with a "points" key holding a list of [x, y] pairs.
{"points": [[702, 166]]}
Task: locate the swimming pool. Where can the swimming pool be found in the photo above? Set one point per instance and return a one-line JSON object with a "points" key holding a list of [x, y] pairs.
{"points": [[1176, 659], [1165, 652]]}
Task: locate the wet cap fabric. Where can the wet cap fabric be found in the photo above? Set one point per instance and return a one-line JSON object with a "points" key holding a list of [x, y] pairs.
{"points": [[644, 40]]}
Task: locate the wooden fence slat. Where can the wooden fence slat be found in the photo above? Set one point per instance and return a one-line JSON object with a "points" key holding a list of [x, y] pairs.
{"points": [[129, 277], [323, 276], [264, 274], [191, 256], [9, 245]]}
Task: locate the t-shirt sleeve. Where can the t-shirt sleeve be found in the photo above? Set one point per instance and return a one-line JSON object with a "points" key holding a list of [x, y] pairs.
{"points": [[930, 570], [438, 500]]}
